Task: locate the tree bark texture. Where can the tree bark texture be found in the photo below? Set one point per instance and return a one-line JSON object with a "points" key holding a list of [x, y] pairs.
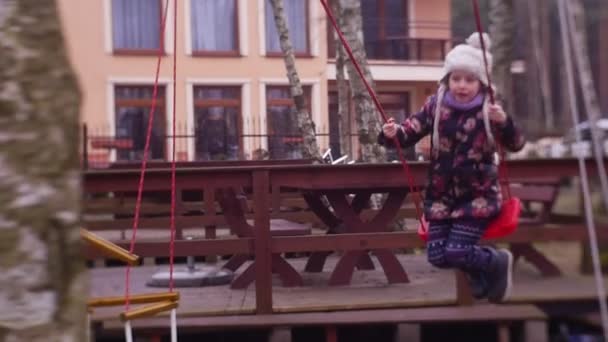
{"points": [[342, 86], [42, 273], [367, 118], [536, 14], [310, 148]]}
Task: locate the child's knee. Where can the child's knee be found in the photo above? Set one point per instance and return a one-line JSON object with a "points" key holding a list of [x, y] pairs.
{"points": [[457, 257], [438, 261]]}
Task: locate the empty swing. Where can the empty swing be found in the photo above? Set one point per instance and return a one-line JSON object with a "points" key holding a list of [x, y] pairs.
{"points": [[155, 302]]}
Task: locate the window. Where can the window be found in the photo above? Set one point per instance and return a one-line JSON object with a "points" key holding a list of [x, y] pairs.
{"points": [[284, 138], [214, 26], [132, 110], [397, 105], [385, 28], [296, 12], [136, 26], [217, 122]]}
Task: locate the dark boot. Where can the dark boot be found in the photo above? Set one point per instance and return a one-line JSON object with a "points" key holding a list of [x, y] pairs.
{"points": [[500, 276], [478, 284]]}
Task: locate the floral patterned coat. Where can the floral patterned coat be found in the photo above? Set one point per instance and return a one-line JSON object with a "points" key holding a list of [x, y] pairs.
{"points": [[463, 174]]}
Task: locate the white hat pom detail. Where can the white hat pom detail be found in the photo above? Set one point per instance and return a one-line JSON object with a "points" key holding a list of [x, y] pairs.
{"points": [[475, 42], [469, 57]]}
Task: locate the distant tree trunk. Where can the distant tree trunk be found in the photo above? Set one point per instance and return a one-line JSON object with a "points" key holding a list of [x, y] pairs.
{"points": [[43, 282], [502, 32], [535, 8], [368, 124], [310, 148], [561, 106], [603, 57], [342, 85], [532, 118]]}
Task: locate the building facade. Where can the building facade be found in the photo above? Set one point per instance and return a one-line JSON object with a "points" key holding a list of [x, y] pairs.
{"points": [[231, 96]]}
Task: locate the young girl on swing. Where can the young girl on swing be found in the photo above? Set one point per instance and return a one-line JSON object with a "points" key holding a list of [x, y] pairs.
{"points": [[463, 193]]}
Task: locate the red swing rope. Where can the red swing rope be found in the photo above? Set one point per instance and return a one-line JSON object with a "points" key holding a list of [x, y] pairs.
{"points": [[372, 94], [151, 112], [502, 167], [173, 135]]}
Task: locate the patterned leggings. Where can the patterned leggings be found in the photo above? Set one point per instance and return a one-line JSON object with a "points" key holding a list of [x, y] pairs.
{"points": [[453, 244]]}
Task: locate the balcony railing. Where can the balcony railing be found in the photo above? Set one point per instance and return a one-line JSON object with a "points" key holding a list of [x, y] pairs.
{"points": [[403, 48]]}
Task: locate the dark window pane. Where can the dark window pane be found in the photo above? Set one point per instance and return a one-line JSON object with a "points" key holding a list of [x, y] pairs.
{"points": [[132, 115], [284, 138], [217, 123]]}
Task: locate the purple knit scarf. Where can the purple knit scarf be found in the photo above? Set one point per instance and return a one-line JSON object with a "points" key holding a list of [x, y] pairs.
{"points": [[451, 102]]}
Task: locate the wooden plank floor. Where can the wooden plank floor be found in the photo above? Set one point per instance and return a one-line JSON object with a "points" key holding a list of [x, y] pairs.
{"points": [[369, 289]]}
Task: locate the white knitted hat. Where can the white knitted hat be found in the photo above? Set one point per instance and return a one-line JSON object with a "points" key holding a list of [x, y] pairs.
{"points": [[466, 57], [469, 57]]}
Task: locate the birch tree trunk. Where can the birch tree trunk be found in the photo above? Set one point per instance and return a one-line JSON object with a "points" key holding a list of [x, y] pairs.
{"points": [[367, 118], [542, 64], [310, 148], [603, 56], [502, 32], [43, 278], [531, 116], [342, 85]]}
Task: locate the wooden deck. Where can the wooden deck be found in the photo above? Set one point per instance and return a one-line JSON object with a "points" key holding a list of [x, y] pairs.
{"points": [[430, 296], [429, 287]]}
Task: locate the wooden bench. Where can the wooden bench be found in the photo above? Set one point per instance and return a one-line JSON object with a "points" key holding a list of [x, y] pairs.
{"points": [[541, 192]]}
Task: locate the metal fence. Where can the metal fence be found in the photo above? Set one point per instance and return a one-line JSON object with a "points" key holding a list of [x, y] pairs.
{"points": [[101, 148]]}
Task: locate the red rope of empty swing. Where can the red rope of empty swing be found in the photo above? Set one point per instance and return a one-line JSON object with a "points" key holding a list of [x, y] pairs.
{"points": [[372, 94], [172, 225], [162, 19]]}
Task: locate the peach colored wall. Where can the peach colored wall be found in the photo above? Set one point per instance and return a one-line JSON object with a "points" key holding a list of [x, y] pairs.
{"points": [[431, 18], [85, 24], [85, 27]]}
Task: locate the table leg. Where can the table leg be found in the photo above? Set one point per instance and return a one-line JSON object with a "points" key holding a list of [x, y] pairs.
{"points": [[392, 267], [236, 261], [343, 272], [536, 258], [289, 276], [316, 260], [286, 272]]}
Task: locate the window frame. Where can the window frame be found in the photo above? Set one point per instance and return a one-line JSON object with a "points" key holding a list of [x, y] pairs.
{"points": [[230, 103], [302, 54], [381, 12], [161, 104], [283, 102], [216, 53], [140, 52]]}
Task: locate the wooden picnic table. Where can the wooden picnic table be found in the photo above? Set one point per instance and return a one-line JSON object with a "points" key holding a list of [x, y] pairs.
{"points": [[335, 182]]}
